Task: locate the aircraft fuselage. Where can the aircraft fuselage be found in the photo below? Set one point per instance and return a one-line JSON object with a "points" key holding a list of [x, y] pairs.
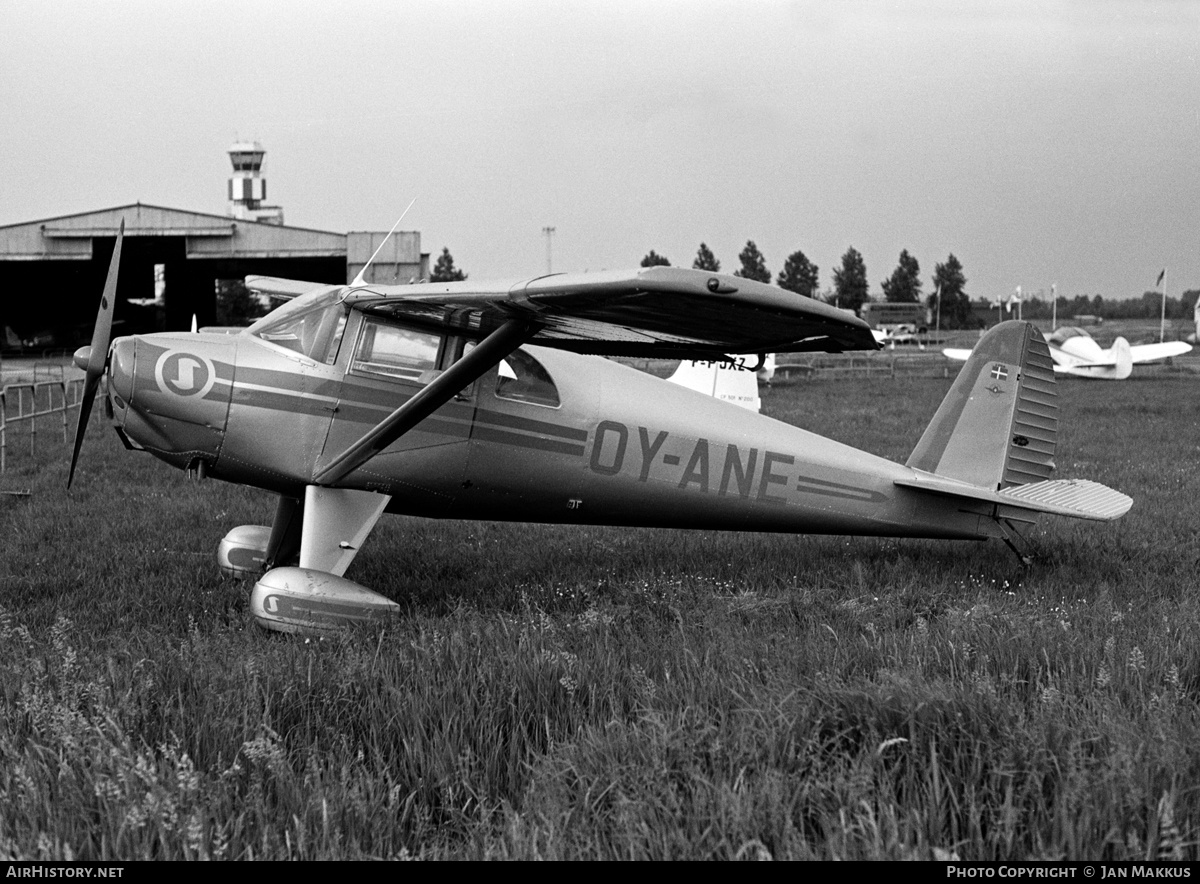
{"points": [[600, 443]]}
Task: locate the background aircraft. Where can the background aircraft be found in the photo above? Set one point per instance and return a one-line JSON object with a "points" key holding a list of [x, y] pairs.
{"points": [[477, 401], [734, 380], [899, 335], [1076, 352]]}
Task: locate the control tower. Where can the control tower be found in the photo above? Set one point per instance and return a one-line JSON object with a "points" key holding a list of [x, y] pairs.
{"points": [[247, 187]]}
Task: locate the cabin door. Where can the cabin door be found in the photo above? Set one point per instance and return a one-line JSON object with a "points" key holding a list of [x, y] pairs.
{"points": [[386, 364]]}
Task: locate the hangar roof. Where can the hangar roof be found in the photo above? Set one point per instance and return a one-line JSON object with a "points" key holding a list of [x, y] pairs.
{"points": [[69, 237]]}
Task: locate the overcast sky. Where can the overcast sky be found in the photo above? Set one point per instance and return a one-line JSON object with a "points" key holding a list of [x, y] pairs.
{"points": [[1039, 142]]}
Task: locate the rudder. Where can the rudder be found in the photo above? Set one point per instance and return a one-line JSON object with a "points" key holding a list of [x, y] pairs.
{"points": [[998, 426]]}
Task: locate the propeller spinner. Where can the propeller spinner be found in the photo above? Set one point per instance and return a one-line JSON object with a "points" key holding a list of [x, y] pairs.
{"points": [[93, 359]]}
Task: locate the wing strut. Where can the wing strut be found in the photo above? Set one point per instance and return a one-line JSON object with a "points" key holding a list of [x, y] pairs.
{"points": [[441, 390]]}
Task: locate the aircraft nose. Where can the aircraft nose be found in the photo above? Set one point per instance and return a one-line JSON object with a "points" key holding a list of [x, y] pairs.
{"points": [[120, 369], [82, 356]]}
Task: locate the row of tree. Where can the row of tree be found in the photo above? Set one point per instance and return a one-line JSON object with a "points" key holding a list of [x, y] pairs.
{"points": [[1148, 306], [850, 287]]}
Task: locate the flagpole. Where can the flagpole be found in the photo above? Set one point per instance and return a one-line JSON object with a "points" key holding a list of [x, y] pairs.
{"points": [[1162, 320], [1054, 309]]}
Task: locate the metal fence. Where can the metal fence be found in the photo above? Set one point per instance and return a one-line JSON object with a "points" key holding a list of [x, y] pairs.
{"points": [[926, 365], [887, 364], [23, 403], [882, 364], [798, 366]]}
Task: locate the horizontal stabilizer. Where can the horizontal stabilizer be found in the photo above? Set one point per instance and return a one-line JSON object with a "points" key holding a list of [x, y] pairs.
{"points": [[1078, 498], [1081, 498]]}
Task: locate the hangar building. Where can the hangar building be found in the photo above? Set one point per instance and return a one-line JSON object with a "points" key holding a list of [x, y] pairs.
{"points": [[52, 271]]}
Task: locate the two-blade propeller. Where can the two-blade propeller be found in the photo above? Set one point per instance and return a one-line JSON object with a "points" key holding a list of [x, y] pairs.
{"points": [[92, 359]]}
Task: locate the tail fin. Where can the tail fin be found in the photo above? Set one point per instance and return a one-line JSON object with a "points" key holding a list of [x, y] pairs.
{"points": [[728, 383], [998, 425], [993, 438], [1124, 356]]}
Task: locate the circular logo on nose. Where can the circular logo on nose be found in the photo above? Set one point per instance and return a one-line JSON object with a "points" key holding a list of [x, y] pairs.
{"points": [[184, 374]]}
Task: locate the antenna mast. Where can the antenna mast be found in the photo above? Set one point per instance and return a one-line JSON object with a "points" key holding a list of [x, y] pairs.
{"points": [[361, 278]]}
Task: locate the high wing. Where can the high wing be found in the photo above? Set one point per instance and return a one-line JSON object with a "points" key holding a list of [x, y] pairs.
{"points": [[282, 289], [656, 311], [1152, 352]]}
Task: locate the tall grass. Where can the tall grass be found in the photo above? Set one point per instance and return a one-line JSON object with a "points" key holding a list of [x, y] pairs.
{"points": [[579, 693]]}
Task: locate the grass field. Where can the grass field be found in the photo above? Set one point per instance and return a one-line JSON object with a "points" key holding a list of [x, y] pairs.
{"points": [[587, 693]]}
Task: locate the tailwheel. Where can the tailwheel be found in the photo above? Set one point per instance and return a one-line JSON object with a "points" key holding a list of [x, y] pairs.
{"points": [[310, 602]]}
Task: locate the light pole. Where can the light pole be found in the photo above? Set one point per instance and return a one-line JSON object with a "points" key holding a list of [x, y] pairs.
{"points": [[549, 234]]}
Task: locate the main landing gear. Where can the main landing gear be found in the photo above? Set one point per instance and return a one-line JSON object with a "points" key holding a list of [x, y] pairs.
{"points": [[326, 530]]}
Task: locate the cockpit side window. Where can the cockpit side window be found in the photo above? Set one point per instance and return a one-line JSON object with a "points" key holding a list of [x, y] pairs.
{"points": [[523, 379], [396, 351]]}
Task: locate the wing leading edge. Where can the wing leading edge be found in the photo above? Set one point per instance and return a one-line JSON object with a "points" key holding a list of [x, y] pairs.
{"points": [[282, 289], [657, 311], [1153, 352]]}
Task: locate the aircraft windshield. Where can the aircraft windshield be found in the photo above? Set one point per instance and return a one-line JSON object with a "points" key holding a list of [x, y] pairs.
{"points": [[312, 328], [1066, 332]]}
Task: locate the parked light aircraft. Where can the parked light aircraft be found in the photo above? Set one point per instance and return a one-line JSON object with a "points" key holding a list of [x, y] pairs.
{"points": [[1076, 352], [734, 379], [477, 401]]}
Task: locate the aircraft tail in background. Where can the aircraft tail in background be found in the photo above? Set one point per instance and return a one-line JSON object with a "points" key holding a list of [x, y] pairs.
{"points": [[721, 380], [1124, 361]]}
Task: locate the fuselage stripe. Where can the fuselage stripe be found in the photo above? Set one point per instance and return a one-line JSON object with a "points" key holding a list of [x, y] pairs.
{"points": [[491, 434], [516, 422], [455, 423]]}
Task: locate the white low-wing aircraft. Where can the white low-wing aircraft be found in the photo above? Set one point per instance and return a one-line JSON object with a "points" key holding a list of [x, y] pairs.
{"points": [[1076, 352]]}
